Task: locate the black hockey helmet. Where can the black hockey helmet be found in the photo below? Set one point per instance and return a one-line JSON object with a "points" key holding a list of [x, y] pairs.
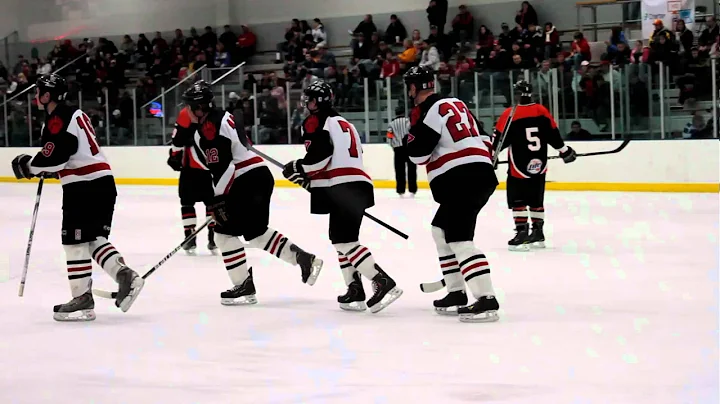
{"points": [[422, 77], [320, 92], [523, 88], [53, 84], [199, 96]]}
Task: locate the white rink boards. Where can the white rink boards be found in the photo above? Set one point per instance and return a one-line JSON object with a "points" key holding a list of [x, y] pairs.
{"points": [[621, 308]]}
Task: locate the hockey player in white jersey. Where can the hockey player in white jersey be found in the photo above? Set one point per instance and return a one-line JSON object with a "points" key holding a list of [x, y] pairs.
{"points": [[70, 152], [446, 138], [243, 186], [333, 171]]}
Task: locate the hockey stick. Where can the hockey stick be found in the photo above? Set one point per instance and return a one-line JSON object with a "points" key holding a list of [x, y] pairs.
{"points": [[431, 287], [496, 155], [30, 237], [113, 295], [597, 153], [369, 216]]}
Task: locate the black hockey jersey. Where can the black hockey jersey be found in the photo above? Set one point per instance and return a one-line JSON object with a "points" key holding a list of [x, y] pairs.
{"points": [[531, 130], [333, 162], [69, 148], [185, 129], [446, 138], [215, 144]]}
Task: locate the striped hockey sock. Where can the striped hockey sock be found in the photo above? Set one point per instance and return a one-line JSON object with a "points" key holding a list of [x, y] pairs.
{"points": [[520, 215], [359, 257], [276, 244], [537, 215], [474, 268], [189, 218], [347, 269], [107, 256], [451, 273], [234, 258], [79, 267]]}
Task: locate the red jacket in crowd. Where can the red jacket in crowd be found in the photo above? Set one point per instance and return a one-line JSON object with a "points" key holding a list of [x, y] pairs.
{"points": [[583, 47], [247, 40]]}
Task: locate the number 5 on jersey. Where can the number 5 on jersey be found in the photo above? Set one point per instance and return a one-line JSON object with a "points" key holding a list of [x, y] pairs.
{"points": [[85, 124]]}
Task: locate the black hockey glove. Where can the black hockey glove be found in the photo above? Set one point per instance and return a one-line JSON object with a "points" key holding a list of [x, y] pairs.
{"points": [[569, 156], [21, 166], [175, 160], [294, 172], [219, 210]]}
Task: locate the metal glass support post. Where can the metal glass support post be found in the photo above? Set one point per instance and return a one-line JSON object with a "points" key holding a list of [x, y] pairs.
{"points": [[163, 116], [512, 90], [661, 85], [388, 99], [437, 85], [650, 103], [476, 80], [612, 105], [366, 105], [492, 98], [222, 91], [627, 129], [378, 107], [255, 115], [107, 115], [405, 98], [5, 115], [288, 107], [29, 117], [135, 117], [715, 106], [575, 96], [80, 99], [554, 95], [526, 75]]}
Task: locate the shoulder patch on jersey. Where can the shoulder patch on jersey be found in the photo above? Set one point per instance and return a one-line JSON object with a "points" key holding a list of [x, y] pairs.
{"points": [[209, 130], [55, 125], [410, 138], [183, 118], [311, 124], [415, 115], [307, 144]]}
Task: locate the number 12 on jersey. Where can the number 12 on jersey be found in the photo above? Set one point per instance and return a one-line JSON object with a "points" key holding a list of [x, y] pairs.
{"points": [[456, 127]]}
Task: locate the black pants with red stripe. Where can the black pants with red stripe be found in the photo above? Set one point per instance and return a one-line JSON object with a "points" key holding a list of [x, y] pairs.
{"points": [[248, 204], [88, 208], [402, 162], [459, 218], [526, 192], [195, 186]]}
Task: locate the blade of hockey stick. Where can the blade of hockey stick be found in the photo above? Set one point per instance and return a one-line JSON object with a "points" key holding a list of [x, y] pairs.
{"points": [[431, 287], [113, 295], [597, 153], [369, 216]]}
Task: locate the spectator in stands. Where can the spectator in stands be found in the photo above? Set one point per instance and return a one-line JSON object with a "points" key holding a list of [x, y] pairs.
{"points": [[622, 56], [409, 56], [684, 37], [709, 35], [506, 37], [695, 70], [305, 28], [3, 71], [617, 36], [298, 117], [639, 54], [228, 38], [390, 65], [552, 41], [463, 26], [192, 41], [486, 42], [144, 48], [526, 15], [327, 57], [577, 132], [208, 40], [660, 31], [44, 67], [580, 50], [366, 27], [127, 46], [246, 43], [437, 14], [715, 48], [222, 57], [179, 40], [318, 33], [416, 36], [534, 44], [430, 56], [445, 73], [106, 47], [361, 47], [663, 51], [159, 41], [442, 42], [395, 32]]}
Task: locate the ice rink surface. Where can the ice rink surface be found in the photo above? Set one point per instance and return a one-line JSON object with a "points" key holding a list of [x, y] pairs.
{"points": [[620, 308]]}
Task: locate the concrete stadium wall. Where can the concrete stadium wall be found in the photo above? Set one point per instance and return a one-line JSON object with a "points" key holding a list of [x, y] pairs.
{"points": [[644, 166]]}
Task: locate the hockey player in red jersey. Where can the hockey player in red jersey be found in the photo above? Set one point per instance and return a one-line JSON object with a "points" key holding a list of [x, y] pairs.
{"points": [[333, 171], [446, 138], [71, 152], [526, 133], [243, 186], [195, 184]]}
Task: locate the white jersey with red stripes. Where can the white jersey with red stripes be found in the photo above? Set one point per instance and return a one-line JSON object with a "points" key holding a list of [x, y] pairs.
{"points": [[339, 162], [460, 142]]}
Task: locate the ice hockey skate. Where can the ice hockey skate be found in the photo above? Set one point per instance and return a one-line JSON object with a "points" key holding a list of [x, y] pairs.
{"points": [[309, 265], [537, 237], [240, 295], [190, 247], [520, 241], [450, 304], [130, 285], [386, 292], [77, 309], [212, 247], [354, 299], [484, 310]]}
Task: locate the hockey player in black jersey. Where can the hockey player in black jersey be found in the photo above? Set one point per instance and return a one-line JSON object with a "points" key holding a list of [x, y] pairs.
{"points": [[446, 138], [71, 152], [243, 186], [526, 133], [195, 184], [333, 171]]}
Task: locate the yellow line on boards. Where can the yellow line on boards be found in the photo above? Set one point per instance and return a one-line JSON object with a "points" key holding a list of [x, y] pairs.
{"points": [[555, 186]]}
